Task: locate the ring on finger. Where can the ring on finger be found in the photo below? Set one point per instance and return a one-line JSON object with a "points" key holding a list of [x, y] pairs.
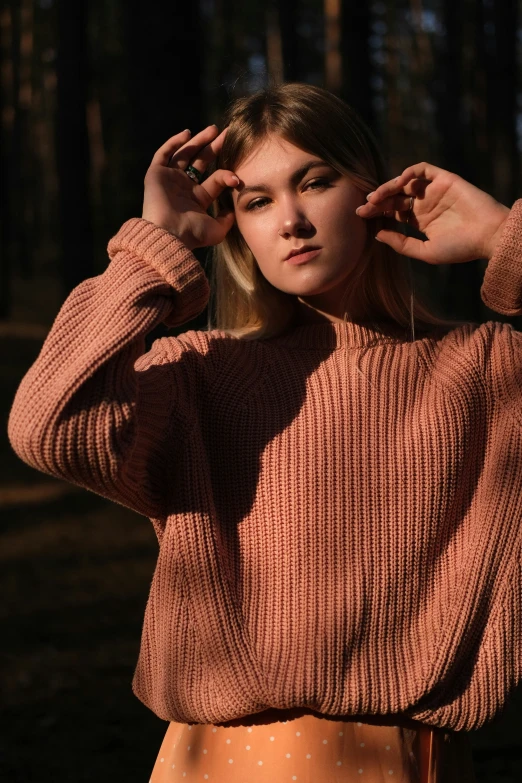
{"points": [[194, 174], [190, 171]]}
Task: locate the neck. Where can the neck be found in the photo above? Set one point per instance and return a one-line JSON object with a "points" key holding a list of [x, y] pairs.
{"points": [[308, 313]]}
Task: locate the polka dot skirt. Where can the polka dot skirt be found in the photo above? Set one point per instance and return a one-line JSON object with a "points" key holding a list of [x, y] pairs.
{"points": [[306, 749]]}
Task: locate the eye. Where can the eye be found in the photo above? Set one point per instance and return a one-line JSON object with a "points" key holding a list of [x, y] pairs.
{"points": [[314, 184], [259, 202], [320, 182]]}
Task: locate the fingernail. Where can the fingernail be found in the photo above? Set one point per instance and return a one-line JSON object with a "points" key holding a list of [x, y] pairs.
{"points": [[187, 131], [236, 179], [370, 194], [378, 240], [357, 210]]}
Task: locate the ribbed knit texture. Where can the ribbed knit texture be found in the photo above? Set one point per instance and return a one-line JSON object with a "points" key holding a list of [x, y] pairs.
{"points": [[338, 511]]}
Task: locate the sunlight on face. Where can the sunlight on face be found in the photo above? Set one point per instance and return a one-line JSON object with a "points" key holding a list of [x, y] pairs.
{"points": [[288, 198]]}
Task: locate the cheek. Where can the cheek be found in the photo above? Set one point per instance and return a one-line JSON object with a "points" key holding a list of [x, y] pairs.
{"points": [[348, 228], [255, 231]]}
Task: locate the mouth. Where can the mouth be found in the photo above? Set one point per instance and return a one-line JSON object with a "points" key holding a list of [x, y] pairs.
{"points": [[303, 254]]}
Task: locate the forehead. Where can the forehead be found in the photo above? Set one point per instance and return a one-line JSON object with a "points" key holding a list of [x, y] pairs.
{"points": [[272, 157]]}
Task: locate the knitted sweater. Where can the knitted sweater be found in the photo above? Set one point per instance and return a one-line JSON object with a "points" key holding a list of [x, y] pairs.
{"points": [[338, 511]]}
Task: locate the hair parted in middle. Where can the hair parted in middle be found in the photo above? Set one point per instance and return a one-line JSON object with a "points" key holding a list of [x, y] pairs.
{"points": [[243, 302]]}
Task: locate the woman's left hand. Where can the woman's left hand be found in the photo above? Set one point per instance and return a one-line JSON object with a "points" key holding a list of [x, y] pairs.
{"points": [[462, 222]]}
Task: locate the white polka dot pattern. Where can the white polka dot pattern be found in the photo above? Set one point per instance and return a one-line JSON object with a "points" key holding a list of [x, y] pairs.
{"points": [[303, 749]]}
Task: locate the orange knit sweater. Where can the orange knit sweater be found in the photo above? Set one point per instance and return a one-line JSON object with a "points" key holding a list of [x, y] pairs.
{"points": [[339, 512]]}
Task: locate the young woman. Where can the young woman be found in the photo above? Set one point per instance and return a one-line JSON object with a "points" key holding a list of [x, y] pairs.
{"points": [[330, 469]]}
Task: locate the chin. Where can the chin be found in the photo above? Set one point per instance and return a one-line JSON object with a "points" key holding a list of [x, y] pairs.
{"points": [[317, 289]]}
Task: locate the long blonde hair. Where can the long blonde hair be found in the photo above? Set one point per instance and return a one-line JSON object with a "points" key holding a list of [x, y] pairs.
{"points": [[243, 302]]}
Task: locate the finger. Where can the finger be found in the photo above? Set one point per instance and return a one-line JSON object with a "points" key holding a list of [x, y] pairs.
{"points": [[406, 246], [185, 154], [208, 153], [214, 186], [423, 171], [391, 204], [426, 171], [226, 221], [163, 154]]}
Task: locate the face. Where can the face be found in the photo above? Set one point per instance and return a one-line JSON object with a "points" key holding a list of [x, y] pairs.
{"points": [[288, 198]]}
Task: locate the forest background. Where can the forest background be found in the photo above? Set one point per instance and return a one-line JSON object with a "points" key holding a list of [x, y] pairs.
{"points": [[89, 90]]}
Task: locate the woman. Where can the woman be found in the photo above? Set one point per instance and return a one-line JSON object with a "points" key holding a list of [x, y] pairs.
{"points": [[337, 592]]}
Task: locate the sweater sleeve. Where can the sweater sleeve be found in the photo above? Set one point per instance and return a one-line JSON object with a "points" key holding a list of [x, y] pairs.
{"points": [[501, 288], [95, 409], [498, 345]]}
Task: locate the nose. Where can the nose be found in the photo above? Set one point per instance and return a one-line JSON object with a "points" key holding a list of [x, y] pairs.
{"points": [[293, 222]]}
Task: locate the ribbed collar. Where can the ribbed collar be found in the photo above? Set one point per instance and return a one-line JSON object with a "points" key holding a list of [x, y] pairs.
{"points": [[347, 334]]}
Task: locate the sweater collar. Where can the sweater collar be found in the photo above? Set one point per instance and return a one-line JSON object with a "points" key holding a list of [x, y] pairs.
{"points": [[349, 334]]}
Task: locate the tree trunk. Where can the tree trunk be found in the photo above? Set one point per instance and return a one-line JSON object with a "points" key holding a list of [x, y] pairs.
{"points": [[165, 66], [164, 70], [449, 92], [274, 44], [332, 45], [288, 17], [72, 144], [357, 67], [6, 155], [506, 168]]}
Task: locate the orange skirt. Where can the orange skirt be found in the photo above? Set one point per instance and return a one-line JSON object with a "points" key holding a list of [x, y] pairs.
{"points": [[308, 749]]}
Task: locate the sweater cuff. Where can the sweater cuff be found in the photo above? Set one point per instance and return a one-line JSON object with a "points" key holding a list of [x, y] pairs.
{"points": [[172, 260], [501, 288]]}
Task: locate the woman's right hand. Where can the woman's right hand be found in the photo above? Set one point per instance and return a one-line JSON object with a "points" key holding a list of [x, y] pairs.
{"points": [[173, 201]]}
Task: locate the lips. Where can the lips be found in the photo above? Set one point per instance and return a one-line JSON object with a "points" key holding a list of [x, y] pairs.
{"points": [[303, 257], [300, 250]]}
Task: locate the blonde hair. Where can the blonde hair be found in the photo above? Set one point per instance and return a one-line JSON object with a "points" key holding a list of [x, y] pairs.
{"points": [[243, 302]]}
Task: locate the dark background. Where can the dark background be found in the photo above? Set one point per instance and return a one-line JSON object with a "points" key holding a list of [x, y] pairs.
{"points": [[88, 92]]}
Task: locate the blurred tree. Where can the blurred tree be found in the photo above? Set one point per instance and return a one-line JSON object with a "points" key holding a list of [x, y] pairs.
{"points": [[17, 46], [289, 14], [392, 122], [164, 65], [274, 43], [479, 94], [221, 32], [505, 84], [283, 40], [6, 143], [72, 144], [417, 67], [163, 75], [333, 78], [357, 66], [448, 89]]}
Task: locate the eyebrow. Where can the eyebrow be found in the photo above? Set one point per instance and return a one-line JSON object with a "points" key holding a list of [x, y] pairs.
{"points": [[296, 177]]}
